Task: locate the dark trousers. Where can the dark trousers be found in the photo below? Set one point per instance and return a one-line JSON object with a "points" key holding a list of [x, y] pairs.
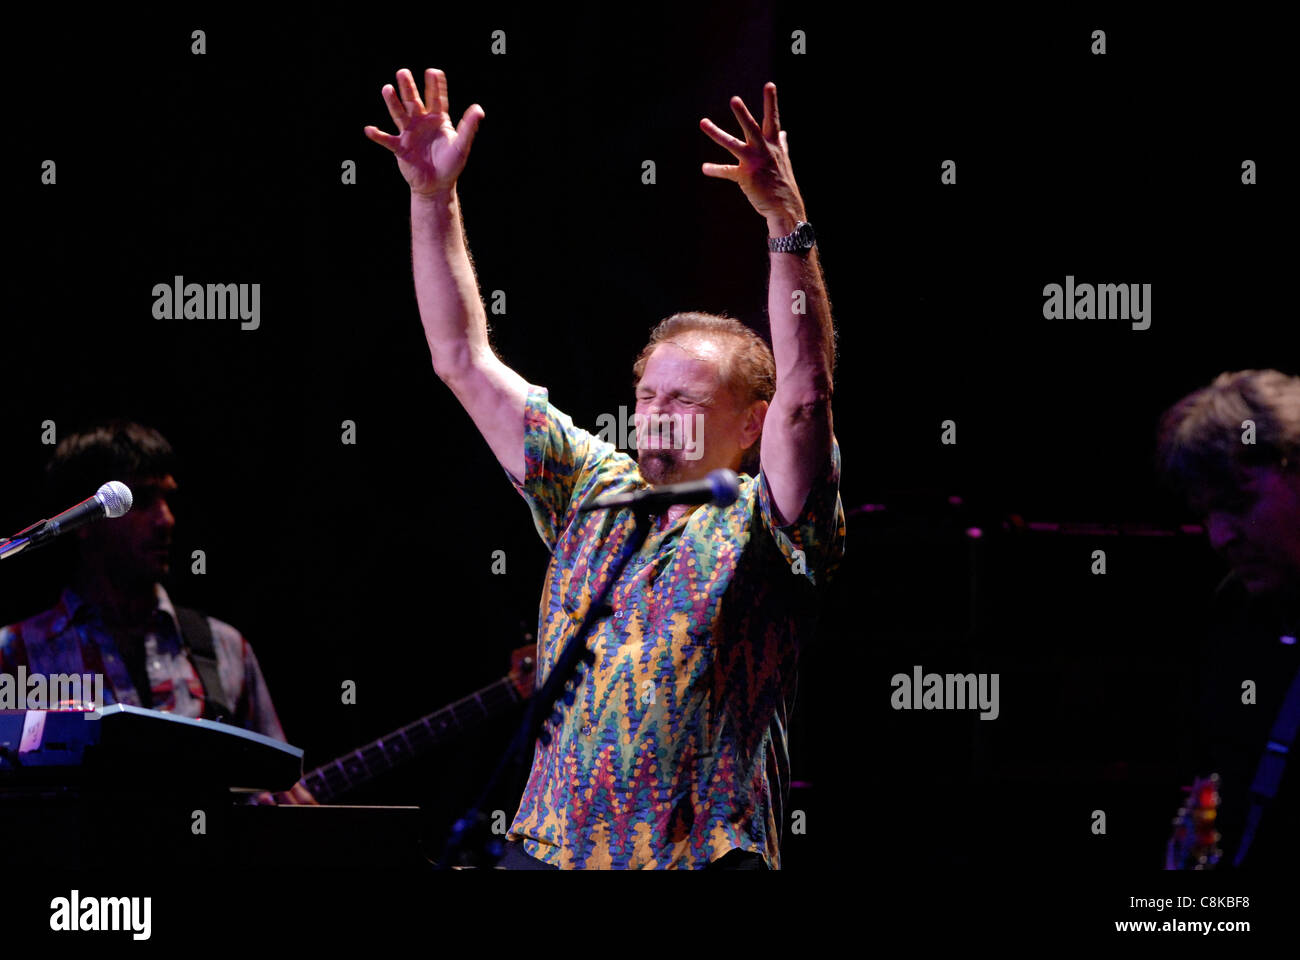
{"points": [[516, 859]]}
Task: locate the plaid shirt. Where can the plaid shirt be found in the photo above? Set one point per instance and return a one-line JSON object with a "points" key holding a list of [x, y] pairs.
{"points": [[71, 637], [674, 750]]}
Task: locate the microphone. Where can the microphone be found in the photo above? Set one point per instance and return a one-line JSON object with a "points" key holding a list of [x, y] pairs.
{"points": [[720, 488], [111, 500]]}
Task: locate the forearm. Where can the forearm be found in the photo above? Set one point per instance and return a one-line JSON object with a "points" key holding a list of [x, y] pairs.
{"points": [[803, 343], [455, 326], [451, 310]]}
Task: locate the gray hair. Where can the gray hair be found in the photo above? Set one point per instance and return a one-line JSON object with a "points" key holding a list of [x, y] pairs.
{"points": [[1201, 439]]}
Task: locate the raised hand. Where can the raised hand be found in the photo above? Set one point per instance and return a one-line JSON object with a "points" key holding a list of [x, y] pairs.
{"points": [[430, 152], [764, 172]]}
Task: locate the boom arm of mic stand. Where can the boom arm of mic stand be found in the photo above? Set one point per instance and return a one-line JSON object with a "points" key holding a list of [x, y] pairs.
{"points": [[18, 542], [13, 546], [544, 700]]}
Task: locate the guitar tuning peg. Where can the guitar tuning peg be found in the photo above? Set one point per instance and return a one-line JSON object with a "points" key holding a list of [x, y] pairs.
{"points": [[569, 697], [556, 719]]}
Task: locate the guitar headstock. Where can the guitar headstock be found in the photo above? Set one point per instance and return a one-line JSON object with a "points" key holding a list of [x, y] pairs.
{"points": [[523, 666], [1195, 841]]}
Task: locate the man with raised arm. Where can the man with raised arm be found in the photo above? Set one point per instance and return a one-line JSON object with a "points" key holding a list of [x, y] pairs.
{"points": [[673, 753]]}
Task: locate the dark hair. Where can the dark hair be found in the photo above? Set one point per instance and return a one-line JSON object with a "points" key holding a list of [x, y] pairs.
{"points": [[112, 450], [750, 369], [1200, 439]]}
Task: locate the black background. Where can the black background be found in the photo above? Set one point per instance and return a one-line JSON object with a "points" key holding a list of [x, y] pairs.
{"points": [[372, 562]]}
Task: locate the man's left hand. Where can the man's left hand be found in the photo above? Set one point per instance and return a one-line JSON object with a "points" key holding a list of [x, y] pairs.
{"points": [[294, 795], [764, 172]]}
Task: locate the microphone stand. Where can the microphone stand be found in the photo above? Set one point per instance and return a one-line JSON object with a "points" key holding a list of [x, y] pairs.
{"points": [[540, 707], [10, 546]]}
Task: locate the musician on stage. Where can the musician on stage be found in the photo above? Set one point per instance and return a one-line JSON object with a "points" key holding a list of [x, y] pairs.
{"points": [[673, 753], [116, 619], [1233, 450]]}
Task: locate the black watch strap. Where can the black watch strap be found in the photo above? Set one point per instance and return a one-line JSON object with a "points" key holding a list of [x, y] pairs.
{"points": [[800, 241]]}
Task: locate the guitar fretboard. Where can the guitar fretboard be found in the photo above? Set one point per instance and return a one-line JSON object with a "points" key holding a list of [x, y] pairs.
{"points": [[364, 764]]}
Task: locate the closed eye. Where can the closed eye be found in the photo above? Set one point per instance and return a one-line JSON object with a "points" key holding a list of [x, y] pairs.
{"points": [[690, 401]]}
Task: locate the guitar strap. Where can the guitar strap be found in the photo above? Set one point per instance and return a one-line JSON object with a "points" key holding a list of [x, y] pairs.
{"points": [[1268, 777], [196, 634]]}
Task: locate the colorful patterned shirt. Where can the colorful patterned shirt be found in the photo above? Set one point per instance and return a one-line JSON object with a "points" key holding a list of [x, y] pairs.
{"points": [[70, 637], [674, 750]]}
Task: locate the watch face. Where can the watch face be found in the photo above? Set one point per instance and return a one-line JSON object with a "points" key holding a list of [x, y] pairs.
{"points": [[804, 235]]}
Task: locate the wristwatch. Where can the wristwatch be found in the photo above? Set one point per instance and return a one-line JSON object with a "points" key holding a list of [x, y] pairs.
{"points": [[800, 242]]}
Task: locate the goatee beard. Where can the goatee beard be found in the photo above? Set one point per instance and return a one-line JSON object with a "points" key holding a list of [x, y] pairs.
{"points": [[659, 467]]}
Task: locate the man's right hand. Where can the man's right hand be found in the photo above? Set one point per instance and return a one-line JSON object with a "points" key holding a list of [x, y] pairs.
{"points": [[430, 152]]}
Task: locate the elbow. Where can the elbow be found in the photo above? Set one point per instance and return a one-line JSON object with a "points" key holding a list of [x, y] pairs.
{"points": [[801, 406], [451, 364], [808, 387]]}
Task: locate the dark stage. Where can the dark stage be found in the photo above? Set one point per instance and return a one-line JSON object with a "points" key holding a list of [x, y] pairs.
{"points": [[349, 512]]}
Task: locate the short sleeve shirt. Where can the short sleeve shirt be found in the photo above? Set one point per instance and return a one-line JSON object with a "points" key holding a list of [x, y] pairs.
{"points": [[674, 750], [71, 638]]}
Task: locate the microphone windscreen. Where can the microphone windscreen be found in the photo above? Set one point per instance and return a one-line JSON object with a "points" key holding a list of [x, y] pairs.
{"points": [[116, 497], [726, 487]]}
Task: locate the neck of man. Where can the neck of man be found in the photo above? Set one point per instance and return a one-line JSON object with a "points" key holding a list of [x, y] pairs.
{"points": [[125, 602], [675, 513], [678, 510]]}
